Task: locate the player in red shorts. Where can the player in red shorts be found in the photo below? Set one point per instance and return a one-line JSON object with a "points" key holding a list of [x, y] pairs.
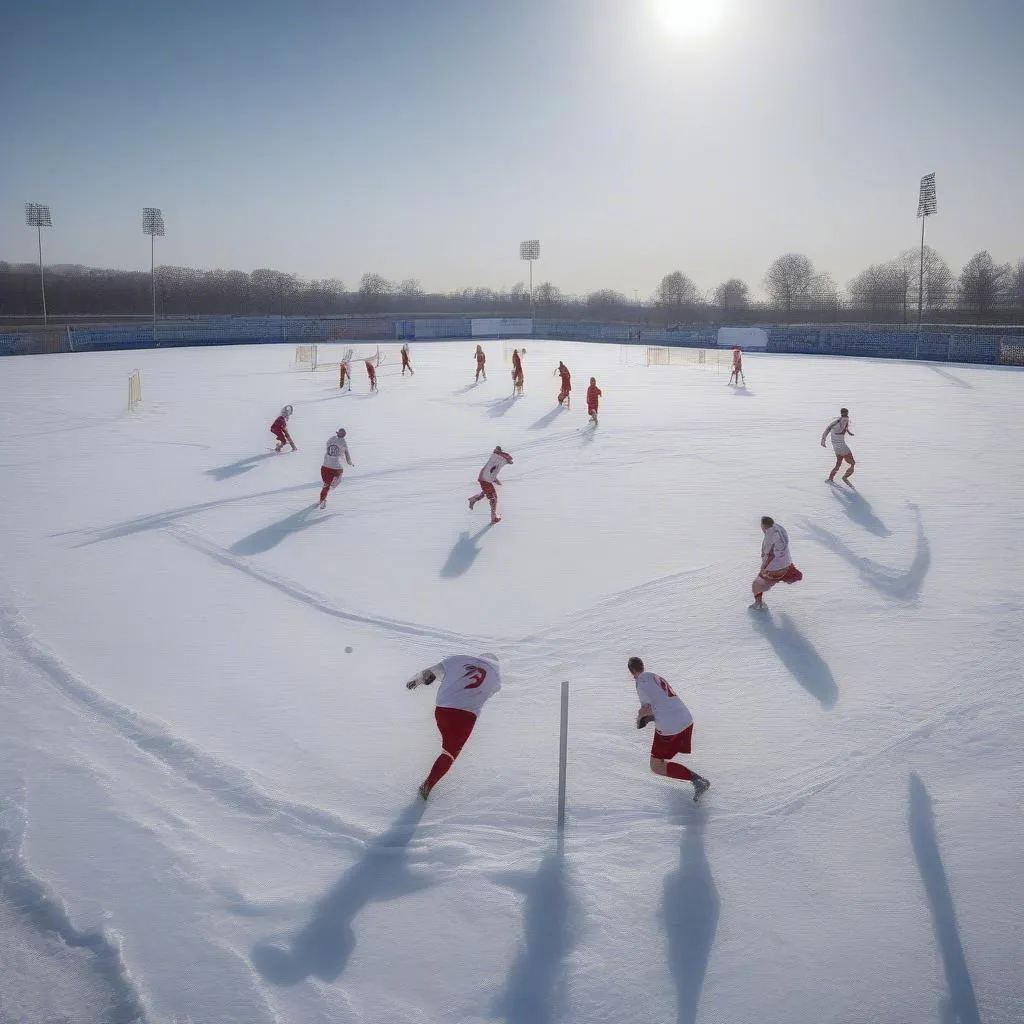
{"points": [[737, 367], [279, 428], [371, 373], [466, 683], [331, 470], [673, 725], [566, 388], [593, 398], [517, 371], [489, 482], [481, 360], [406, 365]]}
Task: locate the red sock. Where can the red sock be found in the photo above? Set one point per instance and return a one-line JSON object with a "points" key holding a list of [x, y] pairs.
{"points": [[677, 771], [323, 493], [440, 769]]}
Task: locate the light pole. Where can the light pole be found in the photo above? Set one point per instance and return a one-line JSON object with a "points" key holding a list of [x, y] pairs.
{"points": [[530, 251], [152, 225], [37, 215], [926, 206]]}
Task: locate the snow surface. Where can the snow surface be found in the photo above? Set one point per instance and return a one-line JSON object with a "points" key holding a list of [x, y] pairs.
{"points": [[208, 809]]}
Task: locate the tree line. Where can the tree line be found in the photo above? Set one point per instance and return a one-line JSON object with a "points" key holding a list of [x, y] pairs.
{"points": [[983, 292]]}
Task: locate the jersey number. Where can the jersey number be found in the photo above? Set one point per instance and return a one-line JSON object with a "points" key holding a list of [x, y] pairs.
{"points": [[664, 685], [333, 450], [477, 675]]}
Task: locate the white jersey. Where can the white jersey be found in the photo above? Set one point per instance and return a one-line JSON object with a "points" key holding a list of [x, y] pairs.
{"points": [[837, 429], [405, 348], [466, 683], [495, 464], [335, 451], [671, 715], [776, 545]]}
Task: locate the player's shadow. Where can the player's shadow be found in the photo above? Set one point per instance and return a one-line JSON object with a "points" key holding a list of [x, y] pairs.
{"points": [[903, 586], [690, 910], [799, 656], [859, 510], [239, 467], [741, 389], [466, 389], [589, 435], [535, 990], [323, 947], [500, 406], [548, 418], [462, 556], [270, 536], [952, 378], [961, 1006]]}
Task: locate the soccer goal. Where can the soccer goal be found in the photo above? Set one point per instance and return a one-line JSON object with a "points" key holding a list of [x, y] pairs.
{"points": [[305, 357], [705, 359]]}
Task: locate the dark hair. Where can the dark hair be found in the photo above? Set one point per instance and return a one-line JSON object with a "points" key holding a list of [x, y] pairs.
{"points": [[844, 412], [767, 521], [635, 664]]}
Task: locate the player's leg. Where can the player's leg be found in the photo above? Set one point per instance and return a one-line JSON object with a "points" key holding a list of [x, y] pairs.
{"points": [[835, 468], [455, 726], [325, 476], [477, 497], [853, 462]]}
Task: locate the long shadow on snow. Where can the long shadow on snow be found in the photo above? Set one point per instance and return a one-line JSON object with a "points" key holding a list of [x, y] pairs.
{"points": [[238, 468], [463, 554], [690, 911], [548, 418], [270, 536], [535, 989], [951, 378], [799, 656], [500, 406], [466, 389], [904, 586], [322, 949], [859, 510], [961, 1006]]}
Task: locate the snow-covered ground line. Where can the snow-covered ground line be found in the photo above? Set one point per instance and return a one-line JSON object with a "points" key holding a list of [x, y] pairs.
{"points": [[208, 808]]}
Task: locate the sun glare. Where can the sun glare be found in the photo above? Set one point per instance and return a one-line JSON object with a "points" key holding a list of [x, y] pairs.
{"points": [[686, 18]]}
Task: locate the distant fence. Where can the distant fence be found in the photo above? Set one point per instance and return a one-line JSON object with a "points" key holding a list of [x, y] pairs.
{"points": [[998, 345]]}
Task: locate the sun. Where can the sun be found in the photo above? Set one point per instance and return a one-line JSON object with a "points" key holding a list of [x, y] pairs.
{"points": [[686, 18]]}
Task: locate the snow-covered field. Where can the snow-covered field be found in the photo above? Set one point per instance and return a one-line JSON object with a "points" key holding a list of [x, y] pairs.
{"points": [[208, 807]]}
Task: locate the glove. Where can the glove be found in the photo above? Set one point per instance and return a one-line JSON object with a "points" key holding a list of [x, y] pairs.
{"points": [[644, 718], [413, 683]]}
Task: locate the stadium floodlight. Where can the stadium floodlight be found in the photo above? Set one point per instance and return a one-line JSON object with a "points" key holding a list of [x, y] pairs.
{"points": [[926, 207], [152, 225], [37, 215], [530, 251]]}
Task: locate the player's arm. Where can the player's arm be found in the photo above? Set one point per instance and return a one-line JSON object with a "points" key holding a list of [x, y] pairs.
{"points": [[644, 716], [426, 677]]}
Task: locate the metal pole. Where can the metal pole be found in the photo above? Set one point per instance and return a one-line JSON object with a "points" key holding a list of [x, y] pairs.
{"points": [[563, 742], [920, 293], [42, 279], [152, 278], [533, 312]]}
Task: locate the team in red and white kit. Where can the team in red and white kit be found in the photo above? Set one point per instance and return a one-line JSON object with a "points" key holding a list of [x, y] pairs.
{"points": [[406, 364], [371, 372], [489, 482], [839, 430], [481, 365], [593, 400], [737, 367], [279, 428], [776, 562], [517, 371], [565, 388], [466, 684], [331, 470], [673, 726]]}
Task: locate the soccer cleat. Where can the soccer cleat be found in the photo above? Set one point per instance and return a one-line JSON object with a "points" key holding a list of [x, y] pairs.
{"points": [[700, 786], [758, 606], [472, 503], [323, 504], [424, 791], [495, 519]]}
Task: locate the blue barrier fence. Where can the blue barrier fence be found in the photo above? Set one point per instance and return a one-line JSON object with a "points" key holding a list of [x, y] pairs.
{"points": [[946, 344]]}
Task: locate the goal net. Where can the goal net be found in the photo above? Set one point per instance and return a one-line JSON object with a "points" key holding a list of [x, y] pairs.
{"points": [[305, 357], [705, 359]]}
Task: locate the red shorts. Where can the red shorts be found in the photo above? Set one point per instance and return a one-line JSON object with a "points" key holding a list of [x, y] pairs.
{"points": [[455, 725], [591, 410], [490, 492], [664, 748], [329, 476], [279, 434]]}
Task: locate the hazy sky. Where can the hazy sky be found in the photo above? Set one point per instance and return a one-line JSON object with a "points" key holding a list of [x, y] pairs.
{"points": [[426, 138]]}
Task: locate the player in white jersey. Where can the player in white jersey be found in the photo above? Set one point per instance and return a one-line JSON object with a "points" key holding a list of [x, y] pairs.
{"points": [[673, 726], [776, 562], [466, 684], [489, 481], [839, 430], [331, 470]]}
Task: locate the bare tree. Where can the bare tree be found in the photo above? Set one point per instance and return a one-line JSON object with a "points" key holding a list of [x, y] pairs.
{"points": [[547, 297], [983, 282], [675, 293], [732, 294], [788, 281], [880, 287], [373, 290], [1015, 288], [410, 288], [605, 301]]}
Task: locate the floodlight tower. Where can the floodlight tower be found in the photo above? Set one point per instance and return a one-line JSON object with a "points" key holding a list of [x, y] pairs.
{"points": [[152, 225], [37, 215], [926, 206], [530, 251]]}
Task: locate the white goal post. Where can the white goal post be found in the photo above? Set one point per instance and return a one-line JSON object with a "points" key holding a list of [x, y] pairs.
{"points": [[305, 357], [682, 356]]}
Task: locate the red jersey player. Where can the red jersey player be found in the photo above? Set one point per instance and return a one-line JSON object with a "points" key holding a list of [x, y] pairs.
{"points": [[279, 428], [566, 388], [517, 372], [345, 372], [481, 360], [673, 726], [593, 398], [840, 430], [737, 367], [406, 365], [489, 482], [371, 373], [331, 470], [776, 562], [466, 684]]}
